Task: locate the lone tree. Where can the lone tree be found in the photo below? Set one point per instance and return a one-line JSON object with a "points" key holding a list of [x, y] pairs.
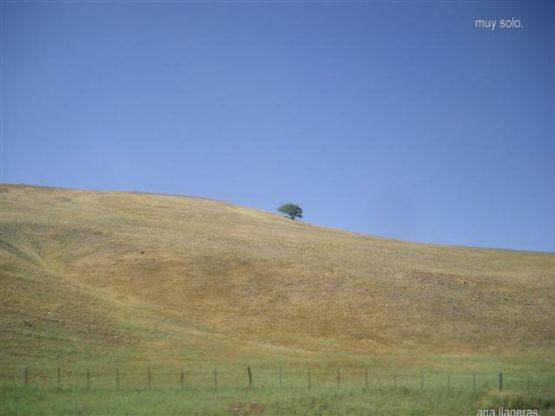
{"points": [[292, 210]]}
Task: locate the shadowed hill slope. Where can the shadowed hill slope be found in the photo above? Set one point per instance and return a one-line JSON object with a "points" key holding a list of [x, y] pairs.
{"points": [[97, 270]]}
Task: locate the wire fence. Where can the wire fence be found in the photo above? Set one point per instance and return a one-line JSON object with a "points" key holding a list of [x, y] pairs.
{"points": [[135, 378]]}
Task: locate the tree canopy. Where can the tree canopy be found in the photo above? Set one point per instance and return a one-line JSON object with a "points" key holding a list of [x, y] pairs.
{"points": [[292, 210]]}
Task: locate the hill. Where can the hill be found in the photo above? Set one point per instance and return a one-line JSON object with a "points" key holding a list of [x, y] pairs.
{"points": [[88, 273]]}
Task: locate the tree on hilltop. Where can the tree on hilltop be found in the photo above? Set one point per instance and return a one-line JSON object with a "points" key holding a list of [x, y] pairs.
{"points": [[292, 210]]}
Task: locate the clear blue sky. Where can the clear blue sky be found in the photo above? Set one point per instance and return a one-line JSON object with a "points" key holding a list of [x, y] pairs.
{"points": [[399, 119]]}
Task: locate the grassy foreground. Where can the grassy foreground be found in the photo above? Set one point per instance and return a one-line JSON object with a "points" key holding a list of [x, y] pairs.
{"points": [[434, 399], [387, 386]]}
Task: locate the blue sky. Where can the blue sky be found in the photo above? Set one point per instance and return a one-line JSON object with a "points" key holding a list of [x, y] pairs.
{"points": [[399, 119]]}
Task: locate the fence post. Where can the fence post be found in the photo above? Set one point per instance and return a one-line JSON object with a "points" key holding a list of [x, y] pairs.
{"points": [[59, 377], [250, 376], [149, 379], [182, 378], [338, 378], [309, 380], [215, 378], [366, 377], [500, 381], [88, 379], [117, 379], [421, 380], [280, 376], [26, 376]]}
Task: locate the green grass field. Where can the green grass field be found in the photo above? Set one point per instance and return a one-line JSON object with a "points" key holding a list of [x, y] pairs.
{"points": [[107, 280], [400, 394]]}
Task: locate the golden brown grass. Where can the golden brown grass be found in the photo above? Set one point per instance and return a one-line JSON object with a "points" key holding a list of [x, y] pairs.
{"points": [[85, 273]]}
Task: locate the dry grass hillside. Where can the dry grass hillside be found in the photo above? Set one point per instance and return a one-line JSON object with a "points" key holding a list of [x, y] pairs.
{"points": [[96, 271]]}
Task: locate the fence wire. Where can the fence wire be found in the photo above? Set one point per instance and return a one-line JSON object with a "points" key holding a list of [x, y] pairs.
{"points": [[141, 378]]}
